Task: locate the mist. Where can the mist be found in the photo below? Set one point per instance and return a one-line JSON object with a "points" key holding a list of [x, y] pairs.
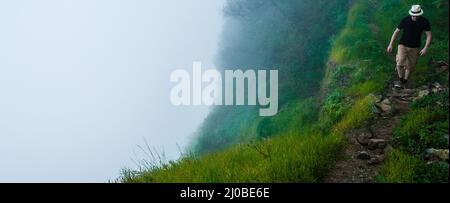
{"points": [[83, 83]]}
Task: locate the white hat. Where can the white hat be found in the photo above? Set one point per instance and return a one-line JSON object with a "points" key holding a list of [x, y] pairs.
{"points": [[416, 10]]}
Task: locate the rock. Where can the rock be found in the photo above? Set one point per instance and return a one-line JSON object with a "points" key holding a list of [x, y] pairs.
{"points": [[443, 69], [423, 87], [409, 91], [399, 94], [376, 98], [422, 94], [387, 149], [437, 85], [363, 155], [376, 144], [363, 138], [385, 105], [375, 109], [436, 155], [377, 159], [435, 90], [377, 151]]}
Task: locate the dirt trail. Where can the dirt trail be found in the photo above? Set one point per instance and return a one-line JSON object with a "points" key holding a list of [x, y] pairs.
{"points": [[367, 147], [365, 152]]}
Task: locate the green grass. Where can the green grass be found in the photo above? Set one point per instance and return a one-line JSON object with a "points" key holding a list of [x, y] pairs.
{"points": [[356, 117], [402, 167], [288, 157], [285, 158], [349, 41], [359, 90], [360, 65], [420, 129], [297, 117]]}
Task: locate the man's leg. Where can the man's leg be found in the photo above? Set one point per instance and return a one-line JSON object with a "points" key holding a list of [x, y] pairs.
{"points": [[401, 61], [401, 72], [407, 72], [411, 62]]}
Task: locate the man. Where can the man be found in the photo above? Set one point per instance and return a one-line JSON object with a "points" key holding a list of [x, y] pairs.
{"points": [[408, 52]]}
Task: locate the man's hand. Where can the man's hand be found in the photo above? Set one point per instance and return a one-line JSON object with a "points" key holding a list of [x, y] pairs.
{"points": [[389, 49], [424, 52], [393, 38]]}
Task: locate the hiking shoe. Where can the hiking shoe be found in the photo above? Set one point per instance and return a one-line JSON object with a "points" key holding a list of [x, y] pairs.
{"points": [[398, 84]]}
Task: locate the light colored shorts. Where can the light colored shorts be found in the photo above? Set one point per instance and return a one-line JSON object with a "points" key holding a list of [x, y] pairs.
{"points": [[407, 57]]}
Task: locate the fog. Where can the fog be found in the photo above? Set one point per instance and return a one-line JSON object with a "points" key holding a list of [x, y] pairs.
{"points": [[84, 82]]}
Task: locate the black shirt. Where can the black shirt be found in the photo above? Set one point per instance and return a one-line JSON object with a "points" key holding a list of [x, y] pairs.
{"points": [[413, 30]]}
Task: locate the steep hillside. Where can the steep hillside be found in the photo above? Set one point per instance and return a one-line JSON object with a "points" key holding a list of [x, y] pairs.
{"points": [[335, 74], [291, 36]]}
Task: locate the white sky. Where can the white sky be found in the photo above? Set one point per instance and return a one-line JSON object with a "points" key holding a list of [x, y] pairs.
{"points": [[83, 82]]}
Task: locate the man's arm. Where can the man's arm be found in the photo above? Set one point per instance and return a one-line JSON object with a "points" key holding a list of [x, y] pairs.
{"points": [[393, 38], [427, 44]]}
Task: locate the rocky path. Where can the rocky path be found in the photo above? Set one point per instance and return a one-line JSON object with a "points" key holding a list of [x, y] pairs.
{"points": [[365, 152]]}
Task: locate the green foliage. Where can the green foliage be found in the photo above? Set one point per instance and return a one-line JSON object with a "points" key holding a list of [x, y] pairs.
{"points": [[358, 115], [335, 106], [341, 77], [425, 126], [296, 117], [358, 64], [224, 127], [438, 101], [402, 167], [286, 158], [289, 157], [287, 35], [360, 90], [420, 130]]}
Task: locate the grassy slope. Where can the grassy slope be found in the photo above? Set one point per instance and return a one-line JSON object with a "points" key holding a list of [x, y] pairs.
{"points": [[357, 67]]}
